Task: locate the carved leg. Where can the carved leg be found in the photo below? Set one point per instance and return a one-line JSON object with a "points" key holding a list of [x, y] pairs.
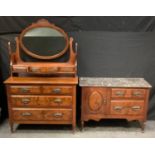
{"points": [[142, 125], [82, 125]]}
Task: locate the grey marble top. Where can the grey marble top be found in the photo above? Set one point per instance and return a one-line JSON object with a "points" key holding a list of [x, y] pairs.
{"points": [[114, 82]]}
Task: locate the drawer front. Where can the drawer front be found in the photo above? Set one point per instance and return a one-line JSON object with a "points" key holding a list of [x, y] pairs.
{"points": [[21, 89], [41, 101], [138, 93], [58, 90], [128, 93], [27, 115], [42, 115], [123, 107]]}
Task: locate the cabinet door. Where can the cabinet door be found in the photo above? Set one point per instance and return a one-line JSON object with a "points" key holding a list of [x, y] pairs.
{"points": [[94, 100]]}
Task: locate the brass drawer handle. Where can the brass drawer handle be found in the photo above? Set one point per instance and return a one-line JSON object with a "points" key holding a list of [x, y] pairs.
{"points": [[135, 108], [26, 114], [58, 114], [137, 93], [58, 100], [56, 90], [25, 100], [120, 93], [24, 90], [118, 108]]}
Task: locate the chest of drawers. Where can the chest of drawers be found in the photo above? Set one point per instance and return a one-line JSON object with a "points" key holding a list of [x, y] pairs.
{"points": [[114, 98], [41, 100]]}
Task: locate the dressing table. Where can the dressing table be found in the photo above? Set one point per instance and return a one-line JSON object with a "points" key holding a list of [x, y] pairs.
{"points": [[42, 85]]}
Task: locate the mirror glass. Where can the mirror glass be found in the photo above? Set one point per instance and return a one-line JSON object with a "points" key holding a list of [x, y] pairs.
{"points": [[44, 41]]}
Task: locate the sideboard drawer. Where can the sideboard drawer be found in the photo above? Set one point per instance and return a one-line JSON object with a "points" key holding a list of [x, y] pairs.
{"points": [[24, 89], [41, 101], [58, 90], [128, 93], [123, 107], [42, 115], [138, 93]]}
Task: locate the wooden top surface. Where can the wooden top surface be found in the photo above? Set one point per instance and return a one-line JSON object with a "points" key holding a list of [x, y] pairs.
{"points": [[41, 80]]}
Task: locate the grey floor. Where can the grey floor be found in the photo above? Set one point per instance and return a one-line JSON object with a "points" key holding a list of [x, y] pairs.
{"points": [[103, 129]]}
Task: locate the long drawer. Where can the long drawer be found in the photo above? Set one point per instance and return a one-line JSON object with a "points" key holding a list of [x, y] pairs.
{"points": [[42, 115], [41, 101], [127, 107]]}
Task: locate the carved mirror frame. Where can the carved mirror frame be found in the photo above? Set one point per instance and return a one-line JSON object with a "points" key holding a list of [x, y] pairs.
{"points": [[43, 23]]}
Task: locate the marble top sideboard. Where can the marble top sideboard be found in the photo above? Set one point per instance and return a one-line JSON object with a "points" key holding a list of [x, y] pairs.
{"points": [[114, 82]]}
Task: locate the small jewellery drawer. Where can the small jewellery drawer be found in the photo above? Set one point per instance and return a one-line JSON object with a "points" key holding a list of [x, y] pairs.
{"points": [[41, 101], [127, 93], [123, 107], [42, 115], [21, 89], [57, 90]]}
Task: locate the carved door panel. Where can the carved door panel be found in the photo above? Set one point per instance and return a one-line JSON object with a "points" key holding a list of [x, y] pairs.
{"points": [[95, 100]]}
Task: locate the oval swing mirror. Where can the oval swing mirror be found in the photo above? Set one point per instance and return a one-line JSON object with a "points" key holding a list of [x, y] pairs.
{"points": [[44, 41]]}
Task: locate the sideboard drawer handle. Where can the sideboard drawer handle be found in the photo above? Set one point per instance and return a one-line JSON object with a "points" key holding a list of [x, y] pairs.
{"points": [[26, 114], [25, 100], [56, 90], [118, 108], [120, 93], [135, 108], [58, 114], [137, 93], [24, 90]]}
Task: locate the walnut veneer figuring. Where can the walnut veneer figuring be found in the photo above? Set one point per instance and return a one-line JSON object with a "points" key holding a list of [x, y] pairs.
{"points": [[114, 98], [41, 100], [42, 89]]}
